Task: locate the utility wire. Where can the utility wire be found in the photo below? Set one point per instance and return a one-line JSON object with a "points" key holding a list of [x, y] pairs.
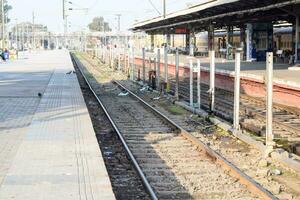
{"points": [[152, 4]]}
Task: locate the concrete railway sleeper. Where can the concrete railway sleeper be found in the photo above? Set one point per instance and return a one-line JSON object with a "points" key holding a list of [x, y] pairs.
{"points": [[173, 163]]}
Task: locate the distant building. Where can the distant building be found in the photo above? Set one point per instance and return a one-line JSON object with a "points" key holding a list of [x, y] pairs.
{"points": [[28, 35]]}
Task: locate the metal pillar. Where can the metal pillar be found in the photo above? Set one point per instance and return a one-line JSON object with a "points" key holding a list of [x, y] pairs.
{"points": [[128, 63], [113, 57], [166, 64], [177, 75], [296, 38], [124, 58], [143, 65], [211, 37], [133, 65], [110, 55], [199, 83], [119, 59], [191, 44], [243, 42], [158, 69], [249, 47], [152, 41], [229, 43], [191, 84], [3, 23], [212, 80], [236, 113], [269, 102]]}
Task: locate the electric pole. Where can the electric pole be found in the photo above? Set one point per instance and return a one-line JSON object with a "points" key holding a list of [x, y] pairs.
{"points": [[3, 25], [119, 22], [164, 9], [33, 30], [65, 22]]}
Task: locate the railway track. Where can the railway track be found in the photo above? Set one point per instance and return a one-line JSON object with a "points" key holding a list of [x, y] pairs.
{"points": [[286, 121], [171, 162], [123, 175]]}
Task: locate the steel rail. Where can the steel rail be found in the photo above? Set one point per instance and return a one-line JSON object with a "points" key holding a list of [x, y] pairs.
{"points": [[135, 163], [251, 184]]}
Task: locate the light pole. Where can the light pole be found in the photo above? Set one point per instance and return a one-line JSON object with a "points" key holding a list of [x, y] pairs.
{"points": [[3, 25], [17, 34], [164, 9], [33, 31]]}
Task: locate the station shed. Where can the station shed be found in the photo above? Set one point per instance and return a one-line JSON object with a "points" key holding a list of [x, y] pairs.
{"points": [[255, 20]]}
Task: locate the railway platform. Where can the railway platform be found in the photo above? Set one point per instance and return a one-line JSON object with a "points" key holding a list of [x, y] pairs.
{"points": [[48, 148], [286, 81]]}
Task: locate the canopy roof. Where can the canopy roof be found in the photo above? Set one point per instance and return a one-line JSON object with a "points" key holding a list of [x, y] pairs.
{"points": [[221, 13]]}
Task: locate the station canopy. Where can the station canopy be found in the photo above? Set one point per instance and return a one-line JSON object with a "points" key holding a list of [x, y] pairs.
{"points": [[221, 13]]}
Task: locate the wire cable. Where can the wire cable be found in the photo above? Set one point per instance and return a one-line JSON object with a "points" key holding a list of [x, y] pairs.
{"points": [[152, 4]]}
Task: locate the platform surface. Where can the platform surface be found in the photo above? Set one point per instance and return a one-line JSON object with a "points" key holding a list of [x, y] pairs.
{"points": [[48, 148]]}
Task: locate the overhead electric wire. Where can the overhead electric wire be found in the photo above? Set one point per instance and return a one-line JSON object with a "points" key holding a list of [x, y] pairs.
{"points": [[152, 4]]}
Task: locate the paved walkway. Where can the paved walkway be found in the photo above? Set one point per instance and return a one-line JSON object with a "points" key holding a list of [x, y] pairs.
{"points": [[48, 148]]}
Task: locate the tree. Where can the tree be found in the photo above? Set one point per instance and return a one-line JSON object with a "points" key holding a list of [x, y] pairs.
{"points": [[98, 24], [6, 9]]}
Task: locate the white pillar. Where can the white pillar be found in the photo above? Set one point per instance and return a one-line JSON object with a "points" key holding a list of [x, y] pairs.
{"points": [[199, 83], [119, 59], [191, 83], [158, 69], [212, 80], [143, 65], [236, 113], [177, 74], [124, 58], [128, 63], [113, 57], [269, 102], [166, 64], [133, 65]]}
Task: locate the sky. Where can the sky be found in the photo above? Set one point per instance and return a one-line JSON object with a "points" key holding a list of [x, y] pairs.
{"points": [[49, 12]]}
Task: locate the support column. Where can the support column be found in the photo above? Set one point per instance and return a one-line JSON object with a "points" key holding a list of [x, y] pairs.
{"points": [[236, 113], [173, 41], [152, 41], [192, 44], [169, 40], [210, 37], [229, 43], [191, 84], [124, 58], [212, 81], [166, 64], [110, 57], [296, 38], [187, 41], [249, 46], [143, 65], [133, 65], [269, 102], [177, 74], [199, 84], [158, 69], [243, 45], [119, 59]]}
